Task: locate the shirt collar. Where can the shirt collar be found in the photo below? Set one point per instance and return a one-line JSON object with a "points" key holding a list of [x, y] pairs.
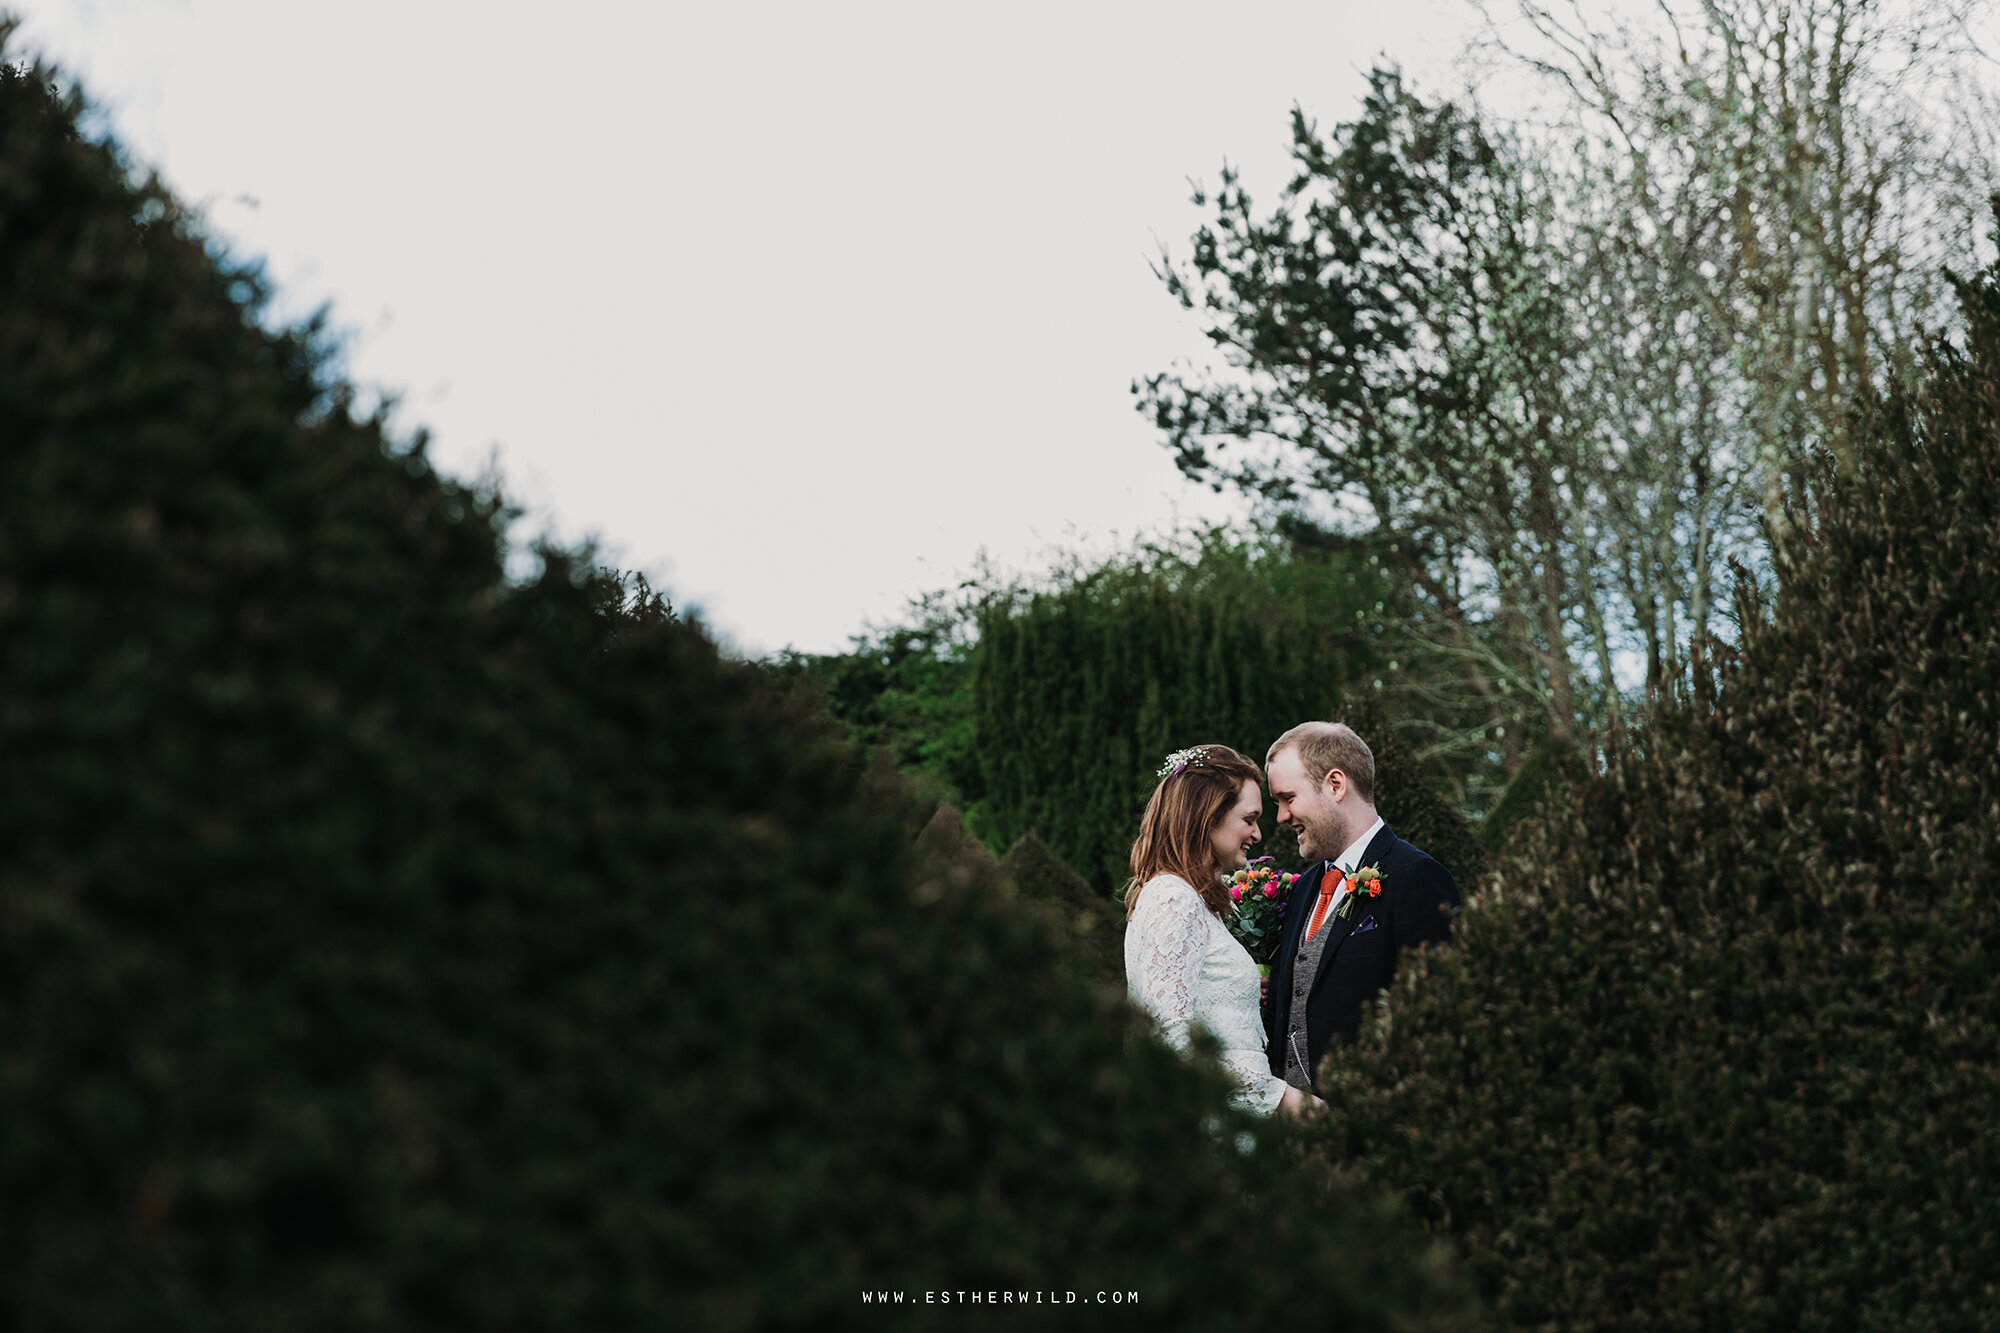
{"points": [[1350, 859]]}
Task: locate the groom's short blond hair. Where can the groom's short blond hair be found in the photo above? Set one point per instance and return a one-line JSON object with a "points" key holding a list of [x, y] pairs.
{"points": [[1324, 746]]}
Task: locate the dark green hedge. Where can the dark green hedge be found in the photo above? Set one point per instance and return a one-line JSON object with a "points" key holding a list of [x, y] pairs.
{"points": [[1081, 690], [1719, 1047], [1079, 693], [384, 945]]}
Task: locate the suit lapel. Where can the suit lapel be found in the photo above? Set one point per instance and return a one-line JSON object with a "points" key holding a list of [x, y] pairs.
{"points": [[1338, 927], [1378, 848]]}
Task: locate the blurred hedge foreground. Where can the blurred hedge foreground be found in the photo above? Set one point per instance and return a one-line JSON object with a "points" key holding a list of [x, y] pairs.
{"points": [[386, 945], [1719, 1045]]}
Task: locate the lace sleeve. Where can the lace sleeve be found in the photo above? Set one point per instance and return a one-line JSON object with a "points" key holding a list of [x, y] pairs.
{"points": [[1257, 1090], [1170, 940]]}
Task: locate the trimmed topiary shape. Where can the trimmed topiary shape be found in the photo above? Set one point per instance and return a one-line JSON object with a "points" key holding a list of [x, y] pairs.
{"points": [[946, 839], [1553, 769], [1091, 922]]}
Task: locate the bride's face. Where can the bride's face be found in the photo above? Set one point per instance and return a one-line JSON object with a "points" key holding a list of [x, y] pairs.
{"points": [[1236, 832]]}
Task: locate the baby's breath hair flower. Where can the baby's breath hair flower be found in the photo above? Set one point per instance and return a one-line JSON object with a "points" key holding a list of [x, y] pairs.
{"points": [[1193, 757]]}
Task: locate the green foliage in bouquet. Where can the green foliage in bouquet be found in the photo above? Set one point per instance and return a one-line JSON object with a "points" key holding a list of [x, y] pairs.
{"points": [[361, 959], [1259, 894], [1717, 1045]]}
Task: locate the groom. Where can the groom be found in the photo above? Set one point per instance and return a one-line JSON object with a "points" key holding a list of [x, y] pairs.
{"points": [[1337, 956]]}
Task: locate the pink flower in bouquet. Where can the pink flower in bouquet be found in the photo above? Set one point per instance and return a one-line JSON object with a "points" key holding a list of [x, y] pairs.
{"points": [[1236, 893], [1271, 889]]}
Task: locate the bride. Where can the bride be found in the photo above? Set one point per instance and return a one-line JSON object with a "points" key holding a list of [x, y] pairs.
{"points": [[1181, 963]]}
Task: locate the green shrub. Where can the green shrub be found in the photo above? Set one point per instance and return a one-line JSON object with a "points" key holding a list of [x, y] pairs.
{"points": [[945, 837], [1719, 1046], [1552, 767], [1090, 921], [383, 945]]}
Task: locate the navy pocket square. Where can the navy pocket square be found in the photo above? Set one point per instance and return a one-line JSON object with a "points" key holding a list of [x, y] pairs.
{"points": [[1367, 924]]}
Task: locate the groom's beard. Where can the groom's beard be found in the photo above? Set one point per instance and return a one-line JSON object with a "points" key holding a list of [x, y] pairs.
{"points": [[1322, 840]]}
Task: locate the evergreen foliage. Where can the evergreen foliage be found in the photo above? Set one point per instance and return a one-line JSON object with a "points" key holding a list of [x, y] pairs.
{"points": [[1311, 611], [1407, 338], [946, 838], [1086, 918], [904, 693], [367, 954], [1718, 1047], [1406, 796], [1551, 768], [1080, 689]]}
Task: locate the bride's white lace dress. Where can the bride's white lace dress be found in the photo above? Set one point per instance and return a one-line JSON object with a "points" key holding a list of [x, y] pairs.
{"points": [[1184, 967]]}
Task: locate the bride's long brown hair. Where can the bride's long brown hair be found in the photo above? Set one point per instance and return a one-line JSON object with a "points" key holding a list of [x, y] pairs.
{"points": [[1175, 832]]}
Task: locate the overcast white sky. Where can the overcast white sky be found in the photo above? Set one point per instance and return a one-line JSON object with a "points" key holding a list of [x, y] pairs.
{"points": [[797, 307]]}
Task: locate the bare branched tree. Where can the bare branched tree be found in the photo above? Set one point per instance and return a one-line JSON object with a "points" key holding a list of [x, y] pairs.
{"points": [[1562, 370], [1828, 160]]}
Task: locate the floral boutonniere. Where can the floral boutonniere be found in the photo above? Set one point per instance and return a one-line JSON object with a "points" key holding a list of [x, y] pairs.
{"points": [[1367, 880]]}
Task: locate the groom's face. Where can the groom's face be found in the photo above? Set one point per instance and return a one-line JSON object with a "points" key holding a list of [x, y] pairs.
{"points": [[1308, 808]]}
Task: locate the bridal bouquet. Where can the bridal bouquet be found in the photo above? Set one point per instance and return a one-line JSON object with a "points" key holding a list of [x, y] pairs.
{"points": [[1260, 894]]}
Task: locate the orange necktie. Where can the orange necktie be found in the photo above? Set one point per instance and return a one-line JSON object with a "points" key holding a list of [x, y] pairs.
{"points": [[1325, 900]]}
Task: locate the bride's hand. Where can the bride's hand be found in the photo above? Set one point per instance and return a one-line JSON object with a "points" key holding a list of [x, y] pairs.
{"points": [[1295, 1102]]}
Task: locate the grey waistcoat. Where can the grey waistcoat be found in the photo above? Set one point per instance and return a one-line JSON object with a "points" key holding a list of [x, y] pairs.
{"points": [[1305, 968]]}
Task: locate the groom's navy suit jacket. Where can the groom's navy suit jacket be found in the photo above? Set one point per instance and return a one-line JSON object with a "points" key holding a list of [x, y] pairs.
{"points": [[1417, 905]]}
